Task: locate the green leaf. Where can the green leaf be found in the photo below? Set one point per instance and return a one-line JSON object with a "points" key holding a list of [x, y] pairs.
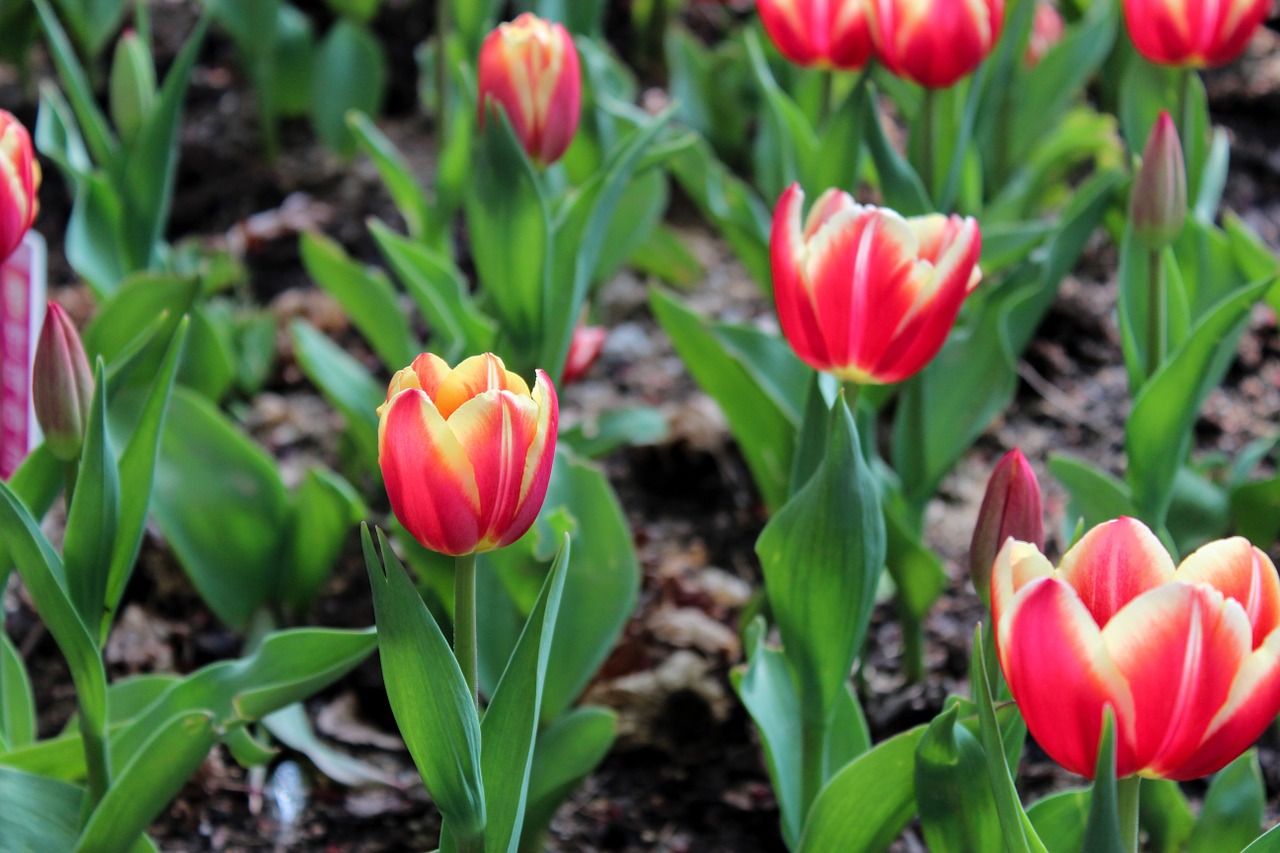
{"points": [[1103, 831], [97, 133], [1158, 433], [365, 294], [93, 21], [616, 428], [432, 705], [360, 10], [349, 74], [1233, 809], [566, 752], [148, 782], [955, 814], [94, 514], [291, 727], [822, 554], [796, 143], [1269, 842], [1060, 820], [225, 530], [17, 701], [324, 509], [396, 175], [1096, 496], [38, 813], [1165, 816], [95, 241], [511, 720], [344, 382], [763, 425], [634, 221], [903, 189], [57, 136], [868, 803], [666, 256], [135, 306]]}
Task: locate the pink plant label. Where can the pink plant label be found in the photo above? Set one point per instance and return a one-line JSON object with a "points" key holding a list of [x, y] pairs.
{"points": [[22, 301]]}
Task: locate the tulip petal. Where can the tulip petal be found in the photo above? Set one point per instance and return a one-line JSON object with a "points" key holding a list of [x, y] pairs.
{"points": [[1016, 565], [795, 304], [1061, 676], [1179, 647], [1251, 706], [1242, 572], [1114, 563], [431, 370], [428, 475], [537, 466], [472, 377]]}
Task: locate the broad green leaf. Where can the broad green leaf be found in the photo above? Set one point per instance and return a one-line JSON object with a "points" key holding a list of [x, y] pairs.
{"points": [[97, 133], [795, 141], [325, 508], [903, 189], [1269, 842], [349, 74], [616, 428], [1060, 820], [17, 701], [148, 782], [365, 294], [665, 255], [344, 382], [635, 220], [93, 22], [292, 64], [849, 736], [955, 813], [1232, 815], [38, 813], [917, 573], [566, 752], [510, 722], [1165, 815], [135, 306], [95, 239], [473, 18], [1103, 832], [360, 10], [1096, 496], [396, 175], [432, 705], [57, 136]]}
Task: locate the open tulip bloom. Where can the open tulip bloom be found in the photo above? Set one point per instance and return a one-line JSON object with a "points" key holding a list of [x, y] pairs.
{"points": [[825, 33], [1193, 34], [935, 42], [1188, 659], [865, 293]]}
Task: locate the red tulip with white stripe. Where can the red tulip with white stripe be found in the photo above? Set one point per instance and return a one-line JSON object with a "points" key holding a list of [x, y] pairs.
{"points": [[865, 293], [1188, 658], [825, 33], [19, 180], [466, 452], [1193, 33], [935, 42]]}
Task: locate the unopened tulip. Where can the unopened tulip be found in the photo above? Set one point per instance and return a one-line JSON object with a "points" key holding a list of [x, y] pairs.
{"points": [[1010, 509], [826, 33], [584, 349], [61, 384], [466, 452], [864, 293], [1188, 659], [1193, 33], [19, 180], [935, 42], [1158, 203], [529, 68], [1046, 31]]}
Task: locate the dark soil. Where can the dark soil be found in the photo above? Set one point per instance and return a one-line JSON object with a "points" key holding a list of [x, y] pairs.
{"points": [[687, 773]]}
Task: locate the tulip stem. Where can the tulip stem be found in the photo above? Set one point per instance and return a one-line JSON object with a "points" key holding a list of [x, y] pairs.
{"points": [[813, 748], [97, 764], [930, 108], [464, 621], [1157, 308], [1127, 799], [442, 71]]}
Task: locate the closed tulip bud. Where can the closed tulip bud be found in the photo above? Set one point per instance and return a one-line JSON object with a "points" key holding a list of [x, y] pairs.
{"points": [[584, 349], [1046, 31], [935, 42], [529, 68], [61, 385], [864, 293], [825, 33], [19, 180], [1193, 33], [1188, 659], [132, 85], [1010, 509], [1158, 200], [466, 452]]}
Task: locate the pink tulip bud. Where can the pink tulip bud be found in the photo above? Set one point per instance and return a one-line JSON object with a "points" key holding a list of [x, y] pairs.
{"points": [[935, 42], [1158, 200], [466, 452], [1010, 508], [1046, 31], [529, 68], [584, 349], [864, 293], [19, 180], [825, 33], [61, 385], [1188, 659], [1193, 33]]}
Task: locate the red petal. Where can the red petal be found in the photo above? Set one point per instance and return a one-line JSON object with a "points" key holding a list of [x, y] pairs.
{"points": [[790, 291], [474, 376], [1242, 572], [1016, 565], [1114, 563]]}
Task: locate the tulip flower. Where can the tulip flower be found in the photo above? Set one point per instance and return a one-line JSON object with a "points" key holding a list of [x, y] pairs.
{"points": [[826, 33], [1010, 508], [20, 178], [61, 384], [529, 68], [466, 452], [1193, 33], [1158, 202], [584, 349], [864, 293], [934, 42], [1046, 31], [1188, 659]]}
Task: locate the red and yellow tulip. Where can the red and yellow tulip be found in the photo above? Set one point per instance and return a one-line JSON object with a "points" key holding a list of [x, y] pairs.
{"points": [[1188, 658], [529, 68], [864, 293], [935, 42], [19, 180], [1047, 30], [466, 451], [1193, 33], [826, 33]]}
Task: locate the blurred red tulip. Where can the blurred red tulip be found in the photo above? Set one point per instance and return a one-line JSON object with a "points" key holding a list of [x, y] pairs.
{"points": [[20, 178], [1187, 658], [864, 293], [1046, 31], [1193, 33], [584, 349], [466, 452], [827, 33], [935, 42]]}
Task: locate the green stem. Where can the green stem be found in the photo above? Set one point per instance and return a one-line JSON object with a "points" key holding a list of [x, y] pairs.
{"points": [[1127, 799], [851, 391], [97, 764], [464, 621], [1157, 322], [442, 70], [928, 121], [69, 472], [912, 643], [825, 96], [813, 749], [1184, 101]]}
